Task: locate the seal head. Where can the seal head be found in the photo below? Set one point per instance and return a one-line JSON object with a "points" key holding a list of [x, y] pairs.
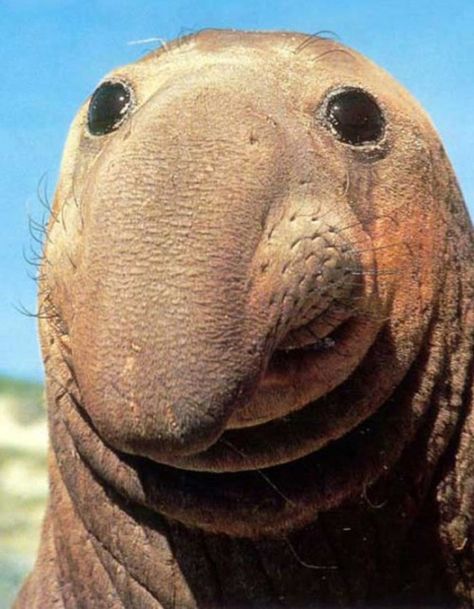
{"points": [[246, 262]]}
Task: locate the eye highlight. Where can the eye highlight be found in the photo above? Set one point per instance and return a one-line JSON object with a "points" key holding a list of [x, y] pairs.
{"points": [[108, 107], [355, 117]]}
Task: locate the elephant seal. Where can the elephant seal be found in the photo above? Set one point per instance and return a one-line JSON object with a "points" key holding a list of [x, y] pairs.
{"points": [[257, 327]]}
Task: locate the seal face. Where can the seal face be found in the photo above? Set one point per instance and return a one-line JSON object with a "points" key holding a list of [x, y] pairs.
{"points": [[243, 277]]}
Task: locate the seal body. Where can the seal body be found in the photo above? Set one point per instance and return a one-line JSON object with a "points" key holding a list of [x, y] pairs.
{"points": [[257, 327]]}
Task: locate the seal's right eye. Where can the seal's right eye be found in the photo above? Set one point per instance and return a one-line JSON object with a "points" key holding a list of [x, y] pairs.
{"points": [[108, 107]]}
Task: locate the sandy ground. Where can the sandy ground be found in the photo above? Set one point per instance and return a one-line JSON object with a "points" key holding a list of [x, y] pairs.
{"points": [[23, 485]]}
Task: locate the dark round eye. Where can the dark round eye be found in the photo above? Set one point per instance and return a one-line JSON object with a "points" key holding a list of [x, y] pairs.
{"points": [[108, 106], [355, 117]]}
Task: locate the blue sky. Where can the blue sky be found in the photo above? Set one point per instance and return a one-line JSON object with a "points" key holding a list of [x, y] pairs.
{"points": [[53, 52]]}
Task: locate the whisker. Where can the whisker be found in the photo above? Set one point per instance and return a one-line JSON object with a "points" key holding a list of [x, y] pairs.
{"points": [[260, 473], [73, 264], [377, 273], [308, 565], [35, 277], [20, 308], [370, 503], [33, 231], [378, 248], [78, 205], [35, 261], [43, 194], [161, 41], [316, 37], [63, 223], [38, 226], [371, 219]]}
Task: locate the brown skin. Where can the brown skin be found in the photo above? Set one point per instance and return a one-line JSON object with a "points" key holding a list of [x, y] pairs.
{"points": [[208, 448]]}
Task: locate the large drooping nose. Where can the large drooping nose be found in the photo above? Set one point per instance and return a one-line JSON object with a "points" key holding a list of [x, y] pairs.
{"points": [[173, 212]]}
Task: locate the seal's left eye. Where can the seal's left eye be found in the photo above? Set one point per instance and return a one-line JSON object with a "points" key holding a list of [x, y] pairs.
{"points": [[355, 117], [108, 106]]}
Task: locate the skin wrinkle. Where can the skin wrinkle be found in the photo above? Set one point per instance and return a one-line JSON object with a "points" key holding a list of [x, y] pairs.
{"points": [[145, 596], [97, 545], [116, 556], [257, 344], [73, 588], [97, 553]]}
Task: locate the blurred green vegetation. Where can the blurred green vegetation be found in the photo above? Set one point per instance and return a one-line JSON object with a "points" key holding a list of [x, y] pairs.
{"points": [[23, 480]]}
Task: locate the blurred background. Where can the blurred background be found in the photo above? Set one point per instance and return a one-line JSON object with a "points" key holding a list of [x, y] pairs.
{"points": [[53, 53]]}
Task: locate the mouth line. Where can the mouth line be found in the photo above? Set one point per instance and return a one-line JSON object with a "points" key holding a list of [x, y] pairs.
{"points": [[299, 372], [266, 497], [293, 436], [321, 344], [289, 358]]}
